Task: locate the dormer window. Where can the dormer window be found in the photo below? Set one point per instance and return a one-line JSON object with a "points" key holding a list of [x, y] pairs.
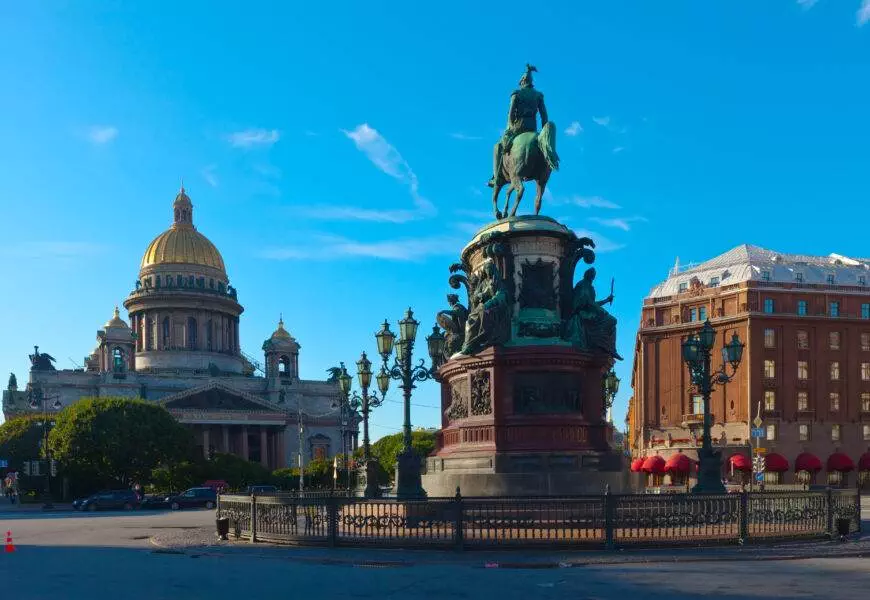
{"points": [[714, 281], [765, 275], [862, 280], [830, 279], [684, 286], [799, 277]]}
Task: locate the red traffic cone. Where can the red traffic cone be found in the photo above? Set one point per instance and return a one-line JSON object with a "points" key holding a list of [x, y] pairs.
{"points": [[10, 547]]}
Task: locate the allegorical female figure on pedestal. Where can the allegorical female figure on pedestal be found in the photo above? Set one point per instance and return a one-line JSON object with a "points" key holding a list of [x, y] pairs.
{"points": [[590, 327]]}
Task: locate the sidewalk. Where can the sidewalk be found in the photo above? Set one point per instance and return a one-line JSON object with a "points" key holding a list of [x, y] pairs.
{"points": [[203, 542], [7, 507]]}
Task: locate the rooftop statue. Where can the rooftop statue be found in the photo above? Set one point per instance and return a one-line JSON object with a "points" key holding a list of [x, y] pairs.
{"points": [[522, 154]]}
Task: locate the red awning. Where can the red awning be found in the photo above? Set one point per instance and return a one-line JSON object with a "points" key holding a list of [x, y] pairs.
{"points": [[864, 462], [637, 465], [678, 463], [807, 462], [654, 464], [840, 462], [740, 462], [775, 463]]}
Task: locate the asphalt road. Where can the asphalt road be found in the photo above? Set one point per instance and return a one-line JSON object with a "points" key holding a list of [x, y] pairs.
{"points": [[109, 555]]}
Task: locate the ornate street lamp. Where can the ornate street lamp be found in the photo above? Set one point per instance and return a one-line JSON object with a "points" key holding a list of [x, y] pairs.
{"points": [[38, 400], [408, 478], [366, 402], [611, 387], [697, 350]]}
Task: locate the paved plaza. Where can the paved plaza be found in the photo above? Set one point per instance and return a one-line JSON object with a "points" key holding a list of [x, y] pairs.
{"points": [[173, 554]]}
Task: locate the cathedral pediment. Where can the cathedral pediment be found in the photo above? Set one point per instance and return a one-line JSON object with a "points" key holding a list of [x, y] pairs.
{"points": [[216, 397]]}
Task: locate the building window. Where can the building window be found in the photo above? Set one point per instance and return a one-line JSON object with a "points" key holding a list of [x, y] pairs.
{"points": [[768, 305], [865, 310], [803, 432], [702, 313], [799, 277], [803, 402], [865, 402], [803, 371], [684, 286], [865, 432], [772, 477], [830, 279], [209, 326], [149, 334], [211, 283], [862, 280], [769, 369], [802, 308], [835, 371], [693, 314], [803, 340], [834, 309], [166, 333], [769, 338], [714, 281], [865, 342], [769, 400], [835, 401], [770, 433], [834, 340], [191, 334], [835, 433], [865, 371], [118, 360], [765, 275], [697, 404]]}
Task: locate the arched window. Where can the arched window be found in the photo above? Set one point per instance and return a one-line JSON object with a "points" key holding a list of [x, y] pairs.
{"points": [[208, 336], [166, 345], [191, 333], [118, 360], [284, 366], [157, 281], [149, 334], [179, 280]]}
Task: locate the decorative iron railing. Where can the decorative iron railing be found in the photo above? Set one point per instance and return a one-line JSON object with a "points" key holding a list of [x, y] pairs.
{"points": [[602, 521]]}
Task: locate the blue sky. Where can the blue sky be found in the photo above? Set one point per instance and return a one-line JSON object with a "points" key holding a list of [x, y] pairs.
{"points": [[336, 152]]}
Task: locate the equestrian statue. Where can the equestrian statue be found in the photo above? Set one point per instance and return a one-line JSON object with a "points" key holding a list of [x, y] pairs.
{"points": [[523, 154]]}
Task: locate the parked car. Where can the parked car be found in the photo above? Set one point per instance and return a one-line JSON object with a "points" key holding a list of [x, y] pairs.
{"points": [[108, 500], [198, 497], [154, 501], [261, 489]]}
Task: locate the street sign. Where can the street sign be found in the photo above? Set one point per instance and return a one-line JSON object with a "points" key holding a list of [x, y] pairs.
{"points": [[757, 421], [3, 463], [760, 450], [758, 432], [759, 477]]}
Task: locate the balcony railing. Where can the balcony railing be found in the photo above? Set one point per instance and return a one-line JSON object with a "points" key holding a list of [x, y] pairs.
{"points": [[695, 419]]}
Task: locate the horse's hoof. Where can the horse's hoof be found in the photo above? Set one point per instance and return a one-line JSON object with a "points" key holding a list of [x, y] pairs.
{"points": [[498, 214]]}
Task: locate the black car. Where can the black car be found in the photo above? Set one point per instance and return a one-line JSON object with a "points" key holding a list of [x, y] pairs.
{"points": [[108, 500], [194, 497]]}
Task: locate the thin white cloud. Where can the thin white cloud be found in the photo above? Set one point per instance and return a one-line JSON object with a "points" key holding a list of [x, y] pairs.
{"points": [[388, 159], [52, 249], [603, 244], [483, 215], [618, 149], [332, 247], [603, 121], [101, 134], [807, 4], [623, 223], [581, 201], [267, 170], [250, 138], [208, 173], [863, 15], [465, 137], [310, 133], [574, 129]]}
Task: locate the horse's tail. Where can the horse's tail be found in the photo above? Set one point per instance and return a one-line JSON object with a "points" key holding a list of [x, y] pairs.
{"points": [[547, 144]]}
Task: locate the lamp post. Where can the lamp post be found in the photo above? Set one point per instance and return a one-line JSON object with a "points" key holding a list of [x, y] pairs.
{"points": [[697, 351], [39, 400], [365, 403], [408, 477], [611, 387]]}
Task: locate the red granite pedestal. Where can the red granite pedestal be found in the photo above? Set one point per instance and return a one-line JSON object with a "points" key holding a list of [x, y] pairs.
{"points": [[523, 421]]}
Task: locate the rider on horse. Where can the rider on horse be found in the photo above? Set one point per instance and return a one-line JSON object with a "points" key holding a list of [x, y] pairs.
{"points": [[526, 104]]}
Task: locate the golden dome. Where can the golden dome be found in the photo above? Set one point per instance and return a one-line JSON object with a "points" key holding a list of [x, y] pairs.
{"points": [[281, 333], [116, 321], [182, 243]]}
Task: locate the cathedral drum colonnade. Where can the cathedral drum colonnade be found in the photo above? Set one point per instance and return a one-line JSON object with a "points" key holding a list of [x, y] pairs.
{"points": [[182, 349]]}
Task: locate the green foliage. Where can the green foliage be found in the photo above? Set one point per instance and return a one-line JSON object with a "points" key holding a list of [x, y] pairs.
{"points": [[237, 472], [117, 441], [19, 440], [386, 449]]}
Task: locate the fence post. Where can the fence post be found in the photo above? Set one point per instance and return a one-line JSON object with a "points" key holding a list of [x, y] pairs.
{"points": [[743, 515], [253, 518], [332, 520], [458, 518], [609, 517], [829, 498]]}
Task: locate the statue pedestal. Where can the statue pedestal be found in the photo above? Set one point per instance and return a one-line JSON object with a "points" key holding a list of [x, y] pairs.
{"points": [[522, 421]]}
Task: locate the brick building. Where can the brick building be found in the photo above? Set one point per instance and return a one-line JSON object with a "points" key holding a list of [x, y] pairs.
{"points": [[806, 369]]}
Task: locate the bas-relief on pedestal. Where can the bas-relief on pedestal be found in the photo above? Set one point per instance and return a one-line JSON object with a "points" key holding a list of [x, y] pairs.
{"points": [[523, 408]]}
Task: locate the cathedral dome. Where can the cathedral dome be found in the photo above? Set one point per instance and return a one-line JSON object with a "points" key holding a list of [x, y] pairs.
{"points": [[182, 244], [116, 321]]}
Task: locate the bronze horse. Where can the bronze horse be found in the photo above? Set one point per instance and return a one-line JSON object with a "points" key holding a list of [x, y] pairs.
{"points": [[532, 156]]}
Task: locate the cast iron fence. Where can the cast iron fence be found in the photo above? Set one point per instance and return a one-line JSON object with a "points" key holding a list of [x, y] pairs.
{"points": [[602, 521]]}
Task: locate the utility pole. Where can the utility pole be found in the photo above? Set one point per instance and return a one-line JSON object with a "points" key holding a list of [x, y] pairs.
{"points": [[301, 436]]}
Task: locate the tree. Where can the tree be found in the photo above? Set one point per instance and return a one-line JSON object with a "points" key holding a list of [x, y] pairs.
{"points": [[117, 440], [386, 449], [20, 438]]}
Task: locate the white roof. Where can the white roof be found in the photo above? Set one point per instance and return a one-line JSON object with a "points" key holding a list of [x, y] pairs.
{"points": [[752, 263]]}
